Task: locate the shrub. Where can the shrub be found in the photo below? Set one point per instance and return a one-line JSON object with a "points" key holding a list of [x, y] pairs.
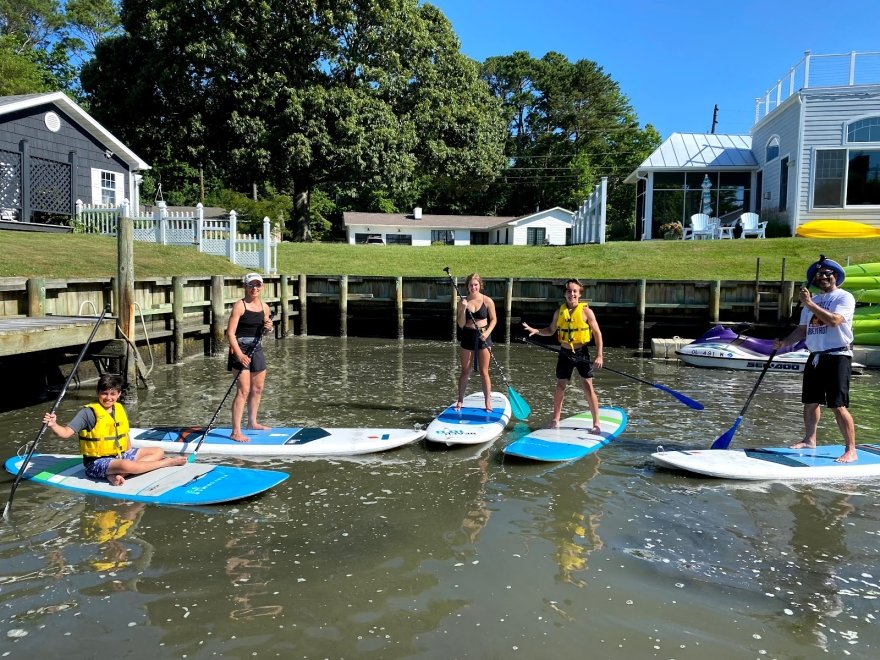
{"points": [[673, 228]]}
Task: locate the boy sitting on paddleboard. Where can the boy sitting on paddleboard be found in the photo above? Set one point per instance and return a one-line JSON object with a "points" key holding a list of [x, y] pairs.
{"points": [[574, 324], [103, 437]]}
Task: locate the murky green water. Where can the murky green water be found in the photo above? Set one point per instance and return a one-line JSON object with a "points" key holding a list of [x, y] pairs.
{"points": [[435, 553]]}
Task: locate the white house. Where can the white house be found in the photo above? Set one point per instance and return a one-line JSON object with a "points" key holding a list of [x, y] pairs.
{"points": [[549, 227], [813, 153]]}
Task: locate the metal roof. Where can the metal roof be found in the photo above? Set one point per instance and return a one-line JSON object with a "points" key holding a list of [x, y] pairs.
{"points": [[10, 104], [699, 151]]}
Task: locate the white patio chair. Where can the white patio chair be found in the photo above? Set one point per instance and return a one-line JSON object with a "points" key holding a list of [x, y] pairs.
{"points": [[700, 228], [752, 226]]}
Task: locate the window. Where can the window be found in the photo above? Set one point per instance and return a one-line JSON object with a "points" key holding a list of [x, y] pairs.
{"points": [[108, 188], [535, 235], [399, 239], [444, 236], [772, 149], [479, 238], [828, 188], [783, 184], [864, 130], [863, 178]]}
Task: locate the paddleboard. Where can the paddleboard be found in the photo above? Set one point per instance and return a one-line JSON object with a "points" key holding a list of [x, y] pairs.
{"points": [[837, 229], [862, 269], [278, 441], [774, 463], [471, 425], [192, 484], [572, 440]]}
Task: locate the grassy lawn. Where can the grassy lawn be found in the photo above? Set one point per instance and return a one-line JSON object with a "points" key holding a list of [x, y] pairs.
{"points": [[25, 254]]}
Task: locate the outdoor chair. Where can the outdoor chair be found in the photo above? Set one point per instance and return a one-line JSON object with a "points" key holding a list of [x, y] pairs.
{"points": [[700, 228], [752, 226]]}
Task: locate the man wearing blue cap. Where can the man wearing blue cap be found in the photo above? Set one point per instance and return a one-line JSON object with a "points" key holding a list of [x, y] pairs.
{"points": [[826, 325]]}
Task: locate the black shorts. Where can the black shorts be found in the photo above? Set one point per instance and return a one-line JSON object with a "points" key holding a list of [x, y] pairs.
{"points": [[827, 383], [468, 339], [569, 360], [258, 359]]}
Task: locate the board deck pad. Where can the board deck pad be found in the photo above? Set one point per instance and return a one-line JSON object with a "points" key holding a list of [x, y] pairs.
{"points": [[192, 484], [573, 439], [472, 424], [278, 441], [774, 463]]}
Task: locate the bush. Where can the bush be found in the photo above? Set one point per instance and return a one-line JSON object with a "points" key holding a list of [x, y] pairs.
{"points": [[673, 228]]}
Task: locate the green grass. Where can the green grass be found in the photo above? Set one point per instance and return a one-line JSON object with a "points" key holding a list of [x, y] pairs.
{"points": [[26, 254]]}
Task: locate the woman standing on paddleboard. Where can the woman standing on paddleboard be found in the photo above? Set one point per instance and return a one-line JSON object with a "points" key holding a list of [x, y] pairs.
{"points": [[249, 319], [476, 320]]}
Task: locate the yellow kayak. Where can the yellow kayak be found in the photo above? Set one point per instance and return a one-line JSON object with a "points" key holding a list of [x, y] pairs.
{"points": [[837, 229], [862, 269]]}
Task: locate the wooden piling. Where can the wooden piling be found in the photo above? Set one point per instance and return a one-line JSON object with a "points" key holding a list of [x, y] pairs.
{"points": [[640, 310], [284, 294], [36, 296], [303, 295], [453, 298], [398, 304], [508, 309], [125, 273], [715, 301], [218, 314], [343, 306], [177, 316]]}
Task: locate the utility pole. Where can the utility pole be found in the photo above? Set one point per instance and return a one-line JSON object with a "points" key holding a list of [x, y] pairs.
{"points": [[714, 119]]}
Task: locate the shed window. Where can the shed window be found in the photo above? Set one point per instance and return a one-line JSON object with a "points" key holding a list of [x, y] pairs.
{"points": [[772, 149], [108, 187], [864, 130]]}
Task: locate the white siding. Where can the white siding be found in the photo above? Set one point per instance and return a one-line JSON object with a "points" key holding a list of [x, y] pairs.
{"points": [[785, 125], [554, 221]]}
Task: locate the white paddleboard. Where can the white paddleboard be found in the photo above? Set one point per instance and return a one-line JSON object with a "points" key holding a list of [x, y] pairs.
{"points": [[279, 441], [471, 425], [774, 463], [573, 439]]}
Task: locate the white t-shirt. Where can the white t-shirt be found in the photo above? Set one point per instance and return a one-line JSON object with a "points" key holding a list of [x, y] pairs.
{"points": [[821, 337]]}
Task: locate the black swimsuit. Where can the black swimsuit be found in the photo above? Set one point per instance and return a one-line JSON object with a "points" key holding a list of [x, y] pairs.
{"points": [[247, 331], [468, 336]]}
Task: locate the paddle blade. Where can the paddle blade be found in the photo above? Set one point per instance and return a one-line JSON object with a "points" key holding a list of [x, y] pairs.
{"points": [[686, 400], [518, 405], [723, 441], [191, 458]]}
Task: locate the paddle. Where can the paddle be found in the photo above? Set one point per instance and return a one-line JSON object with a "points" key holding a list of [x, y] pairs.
{"points": [[723, 441], [690, 403], [249, 352], [61, 394], [518, 405]]}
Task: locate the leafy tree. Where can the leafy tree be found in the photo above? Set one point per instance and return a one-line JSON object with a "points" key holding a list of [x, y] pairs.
{"points": [[299, 94]]}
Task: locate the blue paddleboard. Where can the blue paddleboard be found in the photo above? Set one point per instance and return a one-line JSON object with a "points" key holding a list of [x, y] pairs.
{"points": [[573, 439], [192, 484], [472, 424]]}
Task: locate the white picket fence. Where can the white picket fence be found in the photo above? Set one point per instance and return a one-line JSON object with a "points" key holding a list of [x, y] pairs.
{"points": [[588, 225], [212, 236]]}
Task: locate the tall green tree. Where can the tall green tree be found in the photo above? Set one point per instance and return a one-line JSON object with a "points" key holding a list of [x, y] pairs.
{"points": [[299, 94]]}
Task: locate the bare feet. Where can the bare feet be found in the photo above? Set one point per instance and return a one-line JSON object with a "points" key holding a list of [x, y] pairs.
{"points": [[803, 445], [554, 424], [115, 479], [488, 405], [596, 431], [849, 456], [259, 427], [458, 405], [240, 437], [175, 460]]}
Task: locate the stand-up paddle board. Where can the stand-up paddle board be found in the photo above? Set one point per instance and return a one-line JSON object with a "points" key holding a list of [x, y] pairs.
{"points": [[277, 441], [573, 439], [191, 484], [471, 425], [774, 463]]}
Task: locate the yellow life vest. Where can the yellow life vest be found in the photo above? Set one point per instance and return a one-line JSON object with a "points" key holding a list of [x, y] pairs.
{"points": [[571, 328], [109, 436]]}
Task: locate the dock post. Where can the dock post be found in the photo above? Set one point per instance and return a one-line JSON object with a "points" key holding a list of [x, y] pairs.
{"points": [[303, 295], [508, 309], [125, 313], [640, 310], [398, 303], [36, 296], [177, 313], [453, 298], [284, 294], [715, 301], [343, 306], [218, 312]]}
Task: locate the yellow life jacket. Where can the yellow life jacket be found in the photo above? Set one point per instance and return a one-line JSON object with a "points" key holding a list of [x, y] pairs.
{"points": [[109, 437], [571, 328]]}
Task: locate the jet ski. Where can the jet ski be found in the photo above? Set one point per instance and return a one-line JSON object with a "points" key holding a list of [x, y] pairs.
{"points": [[724, 348]]}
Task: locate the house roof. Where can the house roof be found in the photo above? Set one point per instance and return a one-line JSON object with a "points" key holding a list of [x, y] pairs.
{"points": [[10, 104], [699, 151], [426, 222]]}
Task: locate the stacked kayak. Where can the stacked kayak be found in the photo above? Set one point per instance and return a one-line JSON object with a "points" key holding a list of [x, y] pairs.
{"points": [[863, 281], [837, 229]]}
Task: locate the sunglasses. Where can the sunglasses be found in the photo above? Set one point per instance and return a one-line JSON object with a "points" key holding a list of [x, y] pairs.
{"points": [[825, 273], [255, 285]]}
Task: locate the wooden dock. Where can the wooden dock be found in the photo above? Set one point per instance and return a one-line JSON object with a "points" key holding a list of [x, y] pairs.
{"points": [[28, 335]]}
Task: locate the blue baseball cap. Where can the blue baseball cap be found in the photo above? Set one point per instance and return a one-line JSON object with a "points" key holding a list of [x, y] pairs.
{"points": [[823, 262]]}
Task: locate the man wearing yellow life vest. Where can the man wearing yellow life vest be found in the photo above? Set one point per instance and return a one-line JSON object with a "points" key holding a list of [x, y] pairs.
{"points": [[574, 324], [103, 437]]}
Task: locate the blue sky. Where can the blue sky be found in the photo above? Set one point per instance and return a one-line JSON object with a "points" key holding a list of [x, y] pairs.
{"points": [[673, 59]]}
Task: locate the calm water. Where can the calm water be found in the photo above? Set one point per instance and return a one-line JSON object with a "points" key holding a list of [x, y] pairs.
{"points": [[436, 553]]}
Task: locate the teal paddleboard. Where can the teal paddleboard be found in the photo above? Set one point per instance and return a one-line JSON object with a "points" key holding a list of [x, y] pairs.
{"points": [[573, 439]]}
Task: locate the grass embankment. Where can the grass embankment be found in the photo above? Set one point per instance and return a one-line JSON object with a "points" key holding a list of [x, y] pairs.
{"points": [[30, 254]]}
